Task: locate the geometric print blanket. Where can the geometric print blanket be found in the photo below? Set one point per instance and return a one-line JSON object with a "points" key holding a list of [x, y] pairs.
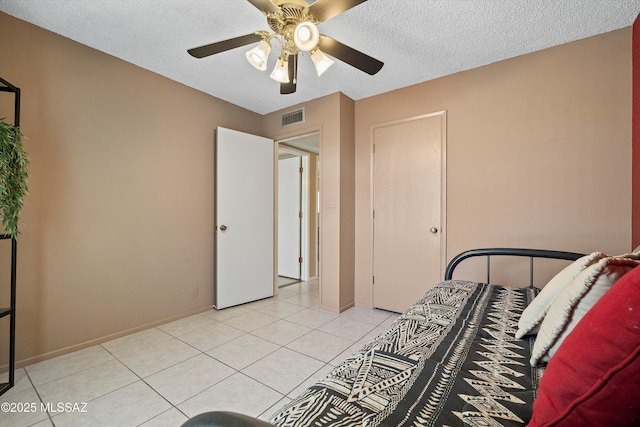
{"points": [[450, 360]]}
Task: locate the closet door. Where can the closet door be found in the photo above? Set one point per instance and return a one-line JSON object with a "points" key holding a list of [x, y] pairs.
{"points": [[408, 222], [244, 218]]}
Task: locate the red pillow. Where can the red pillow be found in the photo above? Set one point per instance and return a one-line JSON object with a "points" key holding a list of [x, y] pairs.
{"points": [[594, 377]]}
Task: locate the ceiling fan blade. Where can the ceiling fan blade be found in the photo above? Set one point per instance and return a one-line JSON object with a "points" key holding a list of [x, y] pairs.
{"points": [[264, 5], [323, 10], [287, 88], [349, 55], [213, 48]]}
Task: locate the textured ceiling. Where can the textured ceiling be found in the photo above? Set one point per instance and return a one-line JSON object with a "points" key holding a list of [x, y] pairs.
{"points": [[417, 40]]}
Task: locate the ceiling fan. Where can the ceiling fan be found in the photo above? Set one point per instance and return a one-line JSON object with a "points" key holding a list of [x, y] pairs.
{"points": [[294, 26]]}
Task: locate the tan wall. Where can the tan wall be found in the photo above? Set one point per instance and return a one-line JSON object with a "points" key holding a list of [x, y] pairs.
{"points": [[118, 228], [538, 151], [327, 115], [347, 201], [313, 215], [635, 211]]}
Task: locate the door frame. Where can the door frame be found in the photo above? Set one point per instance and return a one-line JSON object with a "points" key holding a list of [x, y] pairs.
{"points": [[304, 205], [443, 189]]}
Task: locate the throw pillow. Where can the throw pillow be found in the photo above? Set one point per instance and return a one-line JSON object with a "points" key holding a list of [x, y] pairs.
{"points": [[574, 302], [594, 378], [533, 315]]}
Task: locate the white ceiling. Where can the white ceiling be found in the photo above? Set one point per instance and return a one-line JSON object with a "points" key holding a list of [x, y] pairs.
{"points": [[417, 40], [309, 142]]}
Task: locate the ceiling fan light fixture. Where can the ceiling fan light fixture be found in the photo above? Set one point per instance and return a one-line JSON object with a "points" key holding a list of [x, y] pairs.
{"points": [[321, 61], [258, 55], [306, 36], [294, 25], [280, 72]]}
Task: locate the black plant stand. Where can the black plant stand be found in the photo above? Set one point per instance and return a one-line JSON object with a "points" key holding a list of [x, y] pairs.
{"points": [[10, 311]]}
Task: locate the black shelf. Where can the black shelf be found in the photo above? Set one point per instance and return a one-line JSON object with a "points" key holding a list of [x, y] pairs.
{"points": [[5, 86]]}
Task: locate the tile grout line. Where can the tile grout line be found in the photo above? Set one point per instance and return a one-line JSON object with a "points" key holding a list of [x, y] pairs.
{"points": [[301, 296], [39, 397]]}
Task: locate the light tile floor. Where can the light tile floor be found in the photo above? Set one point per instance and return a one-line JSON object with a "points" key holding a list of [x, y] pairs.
{"points": [[251, 359]]}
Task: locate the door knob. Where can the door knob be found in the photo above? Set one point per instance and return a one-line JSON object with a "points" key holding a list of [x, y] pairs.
{"points": [[223, 227], [433, 230]]}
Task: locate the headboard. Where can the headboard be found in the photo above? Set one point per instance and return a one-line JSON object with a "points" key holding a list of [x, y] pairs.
{"points": [[490, 252]]}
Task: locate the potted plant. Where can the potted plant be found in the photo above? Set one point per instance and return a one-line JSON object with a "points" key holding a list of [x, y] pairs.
{"points": [[13, 176]]}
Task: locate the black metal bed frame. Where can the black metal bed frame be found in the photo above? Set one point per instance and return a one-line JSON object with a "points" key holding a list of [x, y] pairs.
{"points": [[5, 86], [229, 419], [489, 252]]}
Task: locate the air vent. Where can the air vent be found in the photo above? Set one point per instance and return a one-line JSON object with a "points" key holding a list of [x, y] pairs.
{"points": [[293, 117]]}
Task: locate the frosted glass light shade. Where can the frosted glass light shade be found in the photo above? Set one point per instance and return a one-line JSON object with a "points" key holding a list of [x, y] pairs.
{"points": [[321, 61], [306, 36], [280, 72], [258, 55]]}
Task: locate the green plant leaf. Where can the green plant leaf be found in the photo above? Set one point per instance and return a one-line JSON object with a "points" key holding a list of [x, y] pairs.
{"points": [[14, 174]]}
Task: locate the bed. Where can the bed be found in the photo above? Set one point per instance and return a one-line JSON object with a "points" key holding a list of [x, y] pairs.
{"points": [[465, 354]]}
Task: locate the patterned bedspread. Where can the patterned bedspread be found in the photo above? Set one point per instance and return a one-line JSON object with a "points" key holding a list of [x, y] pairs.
{"points": [[450, 360]]}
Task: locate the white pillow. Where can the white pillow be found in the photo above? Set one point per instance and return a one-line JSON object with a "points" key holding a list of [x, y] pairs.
{"points": [[533, 315], [574, 302]]}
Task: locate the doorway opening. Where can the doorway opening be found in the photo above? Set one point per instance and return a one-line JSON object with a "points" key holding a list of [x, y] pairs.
{"points": [[298, 209]]}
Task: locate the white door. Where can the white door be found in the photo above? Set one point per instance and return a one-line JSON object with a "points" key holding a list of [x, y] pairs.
{"points": [[289, 209], [244, 218], [407, 170]]}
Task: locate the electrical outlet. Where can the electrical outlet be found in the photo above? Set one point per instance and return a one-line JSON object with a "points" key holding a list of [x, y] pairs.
{"points": [[194, 292]]}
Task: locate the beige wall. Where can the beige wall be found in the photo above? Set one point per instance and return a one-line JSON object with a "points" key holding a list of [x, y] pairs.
{"points": [[538, 151], [347, 202], [118, 228], [635, 210], [313, 216]]}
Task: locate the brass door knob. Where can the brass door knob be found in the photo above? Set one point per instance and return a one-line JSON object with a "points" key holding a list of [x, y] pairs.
{"points": [[223, 227]]}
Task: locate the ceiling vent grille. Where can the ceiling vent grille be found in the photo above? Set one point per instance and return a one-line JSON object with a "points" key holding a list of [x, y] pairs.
{"points": [[293, 117]]}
